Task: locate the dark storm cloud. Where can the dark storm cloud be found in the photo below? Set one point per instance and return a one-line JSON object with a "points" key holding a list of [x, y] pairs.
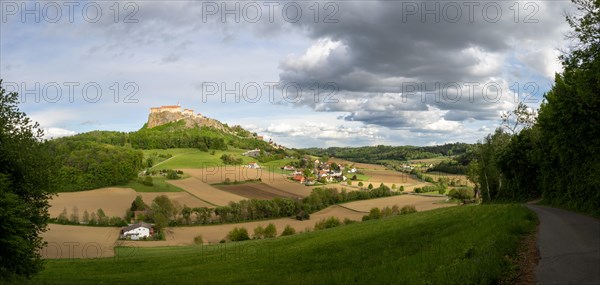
{"points": [[379, 47]]}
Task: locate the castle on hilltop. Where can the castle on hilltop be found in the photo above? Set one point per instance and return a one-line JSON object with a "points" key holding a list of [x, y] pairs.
{"points": [[167, 114], [176, 110]]}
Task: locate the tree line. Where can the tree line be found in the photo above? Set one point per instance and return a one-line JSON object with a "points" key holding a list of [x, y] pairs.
{"points": [[552, 153], [381, 153], [164, 212]]}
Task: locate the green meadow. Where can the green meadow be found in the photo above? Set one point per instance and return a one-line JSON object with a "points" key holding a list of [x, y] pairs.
{"points": [[457, 245]]}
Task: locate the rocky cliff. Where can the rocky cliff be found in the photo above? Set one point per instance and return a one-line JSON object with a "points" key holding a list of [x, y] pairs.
{"points": [[161, 118]]}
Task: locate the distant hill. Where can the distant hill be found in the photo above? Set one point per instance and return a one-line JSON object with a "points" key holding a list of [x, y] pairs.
{"points": [[174, 127], [105, 158]]}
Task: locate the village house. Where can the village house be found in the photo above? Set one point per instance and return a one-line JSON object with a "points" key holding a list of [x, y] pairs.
{"points": [[253, 165], [137, 231], [289, 168]]}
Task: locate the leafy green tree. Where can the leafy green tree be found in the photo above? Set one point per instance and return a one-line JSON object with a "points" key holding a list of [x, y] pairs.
{"points": [[74, 218], [370, 186], [62, 217], [138, 204], [102, 218], [93, 219], [26, 184], [335, 166], [186, 213], [163, 211], [569, 119], [86, 217]]}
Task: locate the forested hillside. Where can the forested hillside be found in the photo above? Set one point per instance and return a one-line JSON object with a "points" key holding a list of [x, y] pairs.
{"points": [[176, 135], [107, 158], [84, 165], [377, 154]]}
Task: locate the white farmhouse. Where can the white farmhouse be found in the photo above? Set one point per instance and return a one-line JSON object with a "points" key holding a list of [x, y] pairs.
{"points": [[253, 165], [137, 231]]}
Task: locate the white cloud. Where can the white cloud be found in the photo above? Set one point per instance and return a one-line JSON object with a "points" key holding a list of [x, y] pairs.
{"points": [[50, 133]]}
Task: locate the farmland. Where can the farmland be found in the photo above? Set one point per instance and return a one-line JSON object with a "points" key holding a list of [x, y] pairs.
{"points": [[257, 191], [471, 244], [113, 201]]}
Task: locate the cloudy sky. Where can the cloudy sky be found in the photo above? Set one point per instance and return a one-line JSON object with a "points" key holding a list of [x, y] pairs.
{"points": [[304, 73]]}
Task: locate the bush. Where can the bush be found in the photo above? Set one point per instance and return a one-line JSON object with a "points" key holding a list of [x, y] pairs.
{"points": [[408, 209], [259, 232], [348, 221], [172, 174], [463, 193], [148, 181], [198, 239], [386, 212], [230, 159], [238, 234], [374, 214], [270, 231], [395, 210], [288, 231], [330, 222], [159, 236], [302, 216]]}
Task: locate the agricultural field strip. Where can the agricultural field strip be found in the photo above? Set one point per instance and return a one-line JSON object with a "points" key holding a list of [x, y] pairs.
{"points": [[205, 191]]}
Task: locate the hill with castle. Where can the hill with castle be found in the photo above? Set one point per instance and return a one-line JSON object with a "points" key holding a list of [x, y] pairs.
{"points": [[166, 114]]}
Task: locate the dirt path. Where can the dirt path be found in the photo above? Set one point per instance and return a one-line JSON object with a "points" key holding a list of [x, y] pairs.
{"points": [[569, 245]]}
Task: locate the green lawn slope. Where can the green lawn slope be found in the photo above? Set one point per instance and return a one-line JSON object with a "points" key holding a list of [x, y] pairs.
{"points": [[458, 245]]}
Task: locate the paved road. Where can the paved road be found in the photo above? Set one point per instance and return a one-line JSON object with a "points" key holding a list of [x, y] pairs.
{"points": [[569, 245]]}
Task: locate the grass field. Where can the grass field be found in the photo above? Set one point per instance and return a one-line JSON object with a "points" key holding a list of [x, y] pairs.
{"points": [[160, 185], [193, 158], [457, 245]]}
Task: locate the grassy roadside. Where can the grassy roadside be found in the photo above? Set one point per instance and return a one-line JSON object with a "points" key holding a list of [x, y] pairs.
{"points": [[457, 245]]}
